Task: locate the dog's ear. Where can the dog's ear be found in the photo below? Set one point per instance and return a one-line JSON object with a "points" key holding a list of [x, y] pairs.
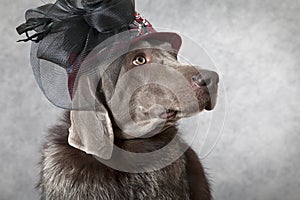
{"points": [[91, 129]]}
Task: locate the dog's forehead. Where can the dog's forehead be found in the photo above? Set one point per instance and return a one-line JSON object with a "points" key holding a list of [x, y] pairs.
{"points": [[151, 44]]}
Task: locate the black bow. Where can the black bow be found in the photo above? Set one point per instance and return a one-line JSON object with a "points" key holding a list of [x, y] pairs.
{"points": [[66, 32]]}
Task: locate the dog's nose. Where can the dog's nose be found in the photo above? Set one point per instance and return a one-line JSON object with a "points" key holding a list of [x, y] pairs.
{"points": [[206, 78]]}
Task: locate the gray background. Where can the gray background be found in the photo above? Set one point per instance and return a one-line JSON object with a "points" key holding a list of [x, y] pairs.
{"points": [[254, 44]]}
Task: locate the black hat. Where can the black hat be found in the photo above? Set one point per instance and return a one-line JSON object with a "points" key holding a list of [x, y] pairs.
{"points": [[69, 30]]}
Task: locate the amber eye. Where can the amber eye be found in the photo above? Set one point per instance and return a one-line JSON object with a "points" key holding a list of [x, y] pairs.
{"points": [[139, 60]]}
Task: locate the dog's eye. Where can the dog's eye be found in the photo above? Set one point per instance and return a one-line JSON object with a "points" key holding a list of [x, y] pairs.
{"points": [[139, 60]]}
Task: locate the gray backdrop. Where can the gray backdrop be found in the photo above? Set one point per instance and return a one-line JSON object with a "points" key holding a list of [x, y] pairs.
{"points": [[256, 47]]}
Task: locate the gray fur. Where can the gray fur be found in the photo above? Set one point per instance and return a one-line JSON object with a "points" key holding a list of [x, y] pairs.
{"points": [[68, 173]]}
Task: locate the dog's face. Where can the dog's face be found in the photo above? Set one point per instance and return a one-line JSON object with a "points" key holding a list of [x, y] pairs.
{"points": [[154, 98], [141, 94]]}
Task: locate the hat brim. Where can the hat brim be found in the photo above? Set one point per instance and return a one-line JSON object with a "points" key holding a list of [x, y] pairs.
{"points": [[173, 38]]}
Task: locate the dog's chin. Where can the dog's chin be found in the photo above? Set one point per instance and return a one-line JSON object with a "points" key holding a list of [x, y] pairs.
{"points": [[207, 103]]}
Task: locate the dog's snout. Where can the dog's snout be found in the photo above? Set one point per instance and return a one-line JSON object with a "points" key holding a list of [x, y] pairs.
{"points": [[205, 86], [205, 78]]}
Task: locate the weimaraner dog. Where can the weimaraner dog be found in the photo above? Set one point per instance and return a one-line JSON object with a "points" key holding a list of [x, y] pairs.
{"points": [[125, 91], [69, 172]]}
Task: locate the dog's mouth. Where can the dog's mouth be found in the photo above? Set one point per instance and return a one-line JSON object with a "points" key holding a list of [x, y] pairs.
{"points": [[206, 101], [169, 114]]}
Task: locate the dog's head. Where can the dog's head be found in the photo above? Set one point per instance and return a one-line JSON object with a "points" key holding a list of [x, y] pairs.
{"points": [[150, 92]]}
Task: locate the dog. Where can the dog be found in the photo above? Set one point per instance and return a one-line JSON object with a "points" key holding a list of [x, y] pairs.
{"points": [[70, 173]]}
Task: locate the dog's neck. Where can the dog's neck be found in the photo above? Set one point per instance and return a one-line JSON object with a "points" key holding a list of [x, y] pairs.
{"points": [[156, 142], [128, 136]]}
